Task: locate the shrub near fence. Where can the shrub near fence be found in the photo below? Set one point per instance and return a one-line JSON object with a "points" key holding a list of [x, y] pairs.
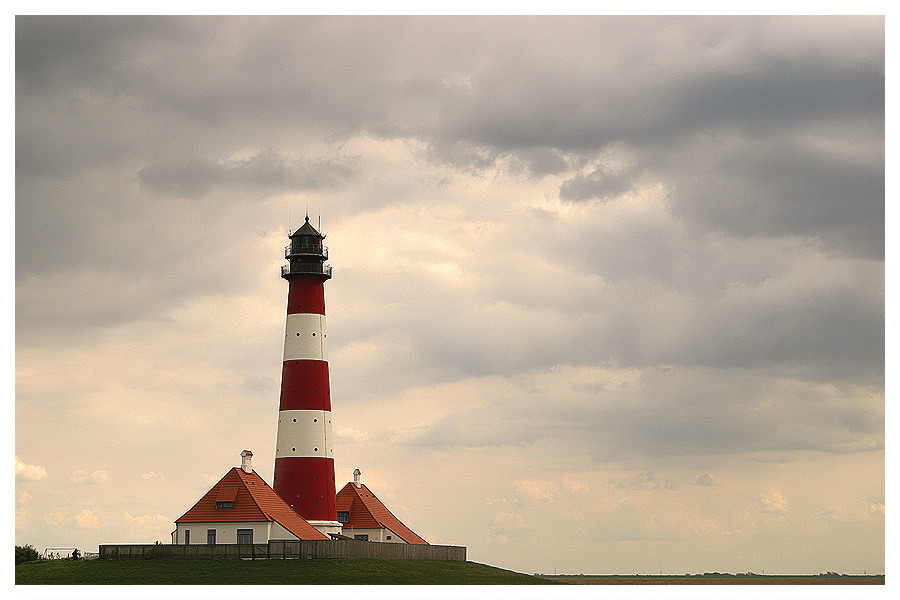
{"points": [[285, 549]]}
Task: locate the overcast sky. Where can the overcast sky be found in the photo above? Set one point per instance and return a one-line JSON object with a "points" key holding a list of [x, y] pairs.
{"points": [[608, 292]]}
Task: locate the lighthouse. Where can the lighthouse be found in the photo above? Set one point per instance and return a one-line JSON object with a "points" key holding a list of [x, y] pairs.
{"points": [[304, 456]]}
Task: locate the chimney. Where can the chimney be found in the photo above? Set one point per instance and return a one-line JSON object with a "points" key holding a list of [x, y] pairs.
{"points": [[246, 457], [356, 474]]}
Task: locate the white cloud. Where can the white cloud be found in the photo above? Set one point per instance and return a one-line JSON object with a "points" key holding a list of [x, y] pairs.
{"points": [[29, 472], [508, 524], [574, 485], [343, 434], [773, 502], [142, 528], [55, 518], [857, 513], [65, 520], [100, 476], [23, 518], [86, 519], [538, 490]]}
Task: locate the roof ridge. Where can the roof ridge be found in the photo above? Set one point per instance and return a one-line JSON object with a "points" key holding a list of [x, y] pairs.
{"points": [[260, 501], [215, 485], [252, 497], [405, 533]]}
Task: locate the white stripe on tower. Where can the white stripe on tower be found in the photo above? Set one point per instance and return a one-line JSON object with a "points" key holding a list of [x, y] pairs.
{"points": [[304, 433], [304, 337]]}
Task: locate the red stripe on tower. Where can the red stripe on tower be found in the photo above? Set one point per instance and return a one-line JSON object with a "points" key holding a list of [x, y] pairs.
{"points": [[304, 457]]}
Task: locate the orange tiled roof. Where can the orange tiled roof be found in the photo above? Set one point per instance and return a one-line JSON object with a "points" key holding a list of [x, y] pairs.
{"points": [[368, 512], [253, 500]]}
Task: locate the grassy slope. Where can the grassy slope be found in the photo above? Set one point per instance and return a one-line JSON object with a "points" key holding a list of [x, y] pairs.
{"points": [[348, 571]]}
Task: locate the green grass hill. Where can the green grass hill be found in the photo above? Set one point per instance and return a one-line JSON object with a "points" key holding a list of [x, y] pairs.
{"points": [[166, 571]]}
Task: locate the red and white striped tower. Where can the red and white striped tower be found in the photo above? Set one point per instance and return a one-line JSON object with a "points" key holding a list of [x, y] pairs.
{"points": [[304, 458]]}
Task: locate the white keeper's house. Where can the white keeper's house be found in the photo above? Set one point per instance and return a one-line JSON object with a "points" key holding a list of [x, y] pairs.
{"points": [[242, 509], [365, 517]]}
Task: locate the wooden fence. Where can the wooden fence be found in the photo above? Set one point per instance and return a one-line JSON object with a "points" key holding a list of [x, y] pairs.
{"points": [[285, 549]]}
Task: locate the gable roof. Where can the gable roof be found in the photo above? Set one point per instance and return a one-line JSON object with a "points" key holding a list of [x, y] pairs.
{"points": [[254, 501], [368, 512]]}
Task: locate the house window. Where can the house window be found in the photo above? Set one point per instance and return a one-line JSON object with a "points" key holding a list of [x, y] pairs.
{"points": [[226, 504], [210, 536], [343, 516], [363, 537], [187, 537], [388, 537], [244, 536]]}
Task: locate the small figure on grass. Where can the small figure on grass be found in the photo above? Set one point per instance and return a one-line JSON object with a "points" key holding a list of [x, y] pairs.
{"points": [[75, 554]]}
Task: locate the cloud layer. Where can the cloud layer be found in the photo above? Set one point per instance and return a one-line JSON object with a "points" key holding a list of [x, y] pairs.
{"points": [[632, 267]]}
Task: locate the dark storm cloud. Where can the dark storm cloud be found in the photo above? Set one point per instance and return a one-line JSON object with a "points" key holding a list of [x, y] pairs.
{"points": [[53, 51], [646, 480], [705, 480], [541, 161], [599, 184], [783, 187], [672, 412], [267, 170], [757, 131], [661, 294], [476, 90]]}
